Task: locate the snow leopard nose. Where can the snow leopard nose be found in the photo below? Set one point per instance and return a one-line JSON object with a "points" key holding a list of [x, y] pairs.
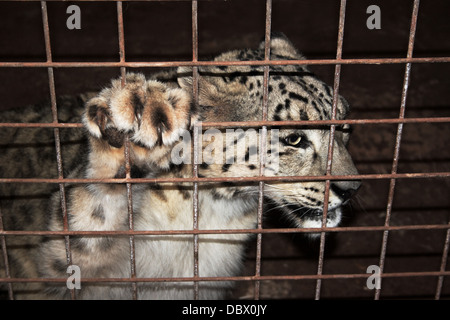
{"points": [[345, 190]]}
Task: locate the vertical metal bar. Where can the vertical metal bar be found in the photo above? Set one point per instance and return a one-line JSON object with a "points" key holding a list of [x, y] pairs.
{"points": [[51, 80], [263, 145], [5, 259], [195, 77], [121, 40], [337, 76], [443, 265], [127, 155], [397, 142], [130, 217]]}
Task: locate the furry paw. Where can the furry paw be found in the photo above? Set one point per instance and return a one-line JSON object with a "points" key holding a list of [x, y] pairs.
{"points": [[148, 111]]}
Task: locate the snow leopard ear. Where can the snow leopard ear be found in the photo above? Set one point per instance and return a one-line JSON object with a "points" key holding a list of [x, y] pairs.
{"points": [[281, 46]]}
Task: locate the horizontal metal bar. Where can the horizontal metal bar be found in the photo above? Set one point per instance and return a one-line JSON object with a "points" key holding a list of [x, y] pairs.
{"points": [[113, 0], [225, 124], [251, 124], [422, 175], [122, 233], [40, 125], [160, 64], [237, 278]]}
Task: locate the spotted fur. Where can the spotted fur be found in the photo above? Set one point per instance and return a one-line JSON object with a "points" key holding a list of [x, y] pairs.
{"points": [[154, 114]]}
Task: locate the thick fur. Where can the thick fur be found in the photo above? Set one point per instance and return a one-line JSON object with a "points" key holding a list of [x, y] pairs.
{"points": [[155, 115]]}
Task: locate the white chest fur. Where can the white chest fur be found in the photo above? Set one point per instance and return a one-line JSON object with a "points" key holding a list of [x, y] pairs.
{"points": [[168, 256]]}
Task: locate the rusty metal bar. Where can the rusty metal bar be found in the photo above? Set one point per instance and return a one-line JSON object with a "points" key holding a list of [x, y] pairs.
{"points": [[121, 37], [149, 64], [62, 191], [316, 123], [421, 175], [250, 124], [236, 278], [195, 93], [443, 264], [5, 258], [121, 233], [130, 217], [337, 77], [398, 141], [121, 32], [263, 146], [114, 0]]}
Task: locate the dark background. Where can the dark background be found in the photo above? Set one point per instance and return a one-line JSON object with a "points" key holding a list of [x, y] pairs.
{"points": [[161, 31]]}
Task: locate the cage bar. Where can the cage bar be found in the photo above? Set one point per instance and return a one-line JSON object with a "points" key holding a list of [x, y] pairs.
{"points": [[381, 176], [225, 231], [162, 64], [251, 124], [398, 139], [445, 251], [433, 274], [195, 94], [263, 147], [337, 77], [5, 259], [62, 192], [121, 35]]}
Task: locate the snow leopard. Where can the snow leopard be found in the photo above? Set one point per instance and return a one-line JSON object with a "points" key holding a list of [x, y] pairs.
{"points": [[142, 127]]}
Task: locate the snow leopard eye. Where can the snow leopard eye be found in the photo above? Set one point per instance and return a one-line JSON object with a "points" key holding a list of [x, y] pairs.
{"points": [[296, 140]]}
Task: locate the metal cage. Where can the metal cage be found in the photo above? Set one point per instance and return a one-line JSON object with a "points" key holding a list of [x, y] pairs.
{"points": [[255, 279]]}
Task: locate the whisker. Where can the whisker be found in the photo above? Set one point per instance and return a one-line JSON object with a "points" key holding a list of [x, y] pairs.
{"points": [[302, 208], [281, 206]]}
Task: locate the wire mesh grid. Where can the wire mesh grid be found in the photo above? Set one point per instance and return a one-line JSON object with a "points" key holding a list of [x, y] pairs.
{"points": [[256, 278]]}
